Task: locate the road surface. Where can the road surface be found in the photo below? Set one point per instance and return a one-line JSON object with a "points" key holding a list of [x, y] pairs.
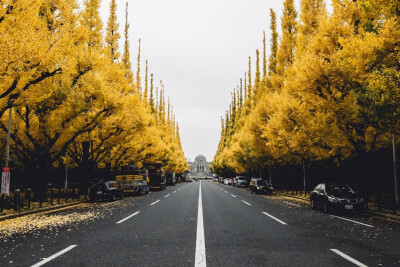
{"points": [[222, 226]]}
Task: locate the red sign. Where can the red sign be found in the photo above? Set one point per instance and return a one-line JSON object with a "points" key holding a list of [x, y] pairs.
{"points": [[5, 181]]}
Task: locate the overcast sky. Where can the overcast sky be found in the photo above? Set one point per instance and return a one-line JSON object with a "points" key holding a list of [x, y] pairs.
{"points": [[200, 50]]}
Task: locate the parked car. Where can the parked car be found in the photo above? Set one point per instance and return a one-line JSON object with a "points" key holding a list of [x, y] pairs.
{"points": [[170, 178], [235, 181], [230, 181], [106, 191], [241, 181], [258, 185], [226, 180], [336, 197], [221, 180]]}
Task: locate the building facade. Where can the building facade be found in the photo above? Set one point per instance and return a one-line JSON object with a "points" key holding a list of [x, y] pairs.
{"points": [[200, 166]]}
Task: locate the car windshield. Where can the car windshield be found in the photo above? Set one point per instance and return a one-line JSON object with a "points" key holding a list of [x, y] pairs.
{"points": [[338, 189]]}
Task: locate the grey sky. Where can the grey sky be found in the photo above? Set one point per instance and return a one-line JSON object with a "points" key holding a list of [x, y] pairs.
{"points": [[200, 50]]}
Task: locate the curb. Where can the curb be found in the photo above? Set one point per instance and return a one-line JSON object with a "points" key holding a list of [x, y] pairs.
{"points": [[16, 215], [382, 216]]}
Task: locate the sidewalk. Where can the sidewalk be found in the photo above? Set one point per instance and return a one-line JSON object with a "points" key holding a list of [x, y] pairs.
{"points": [[33, 211], [380, 215]]}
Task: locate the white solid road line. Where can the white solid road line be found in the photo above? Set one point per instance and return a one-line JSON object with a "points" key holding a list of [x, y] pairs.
{"points": [[292, 204], [368, 225], [154, 202], [233, 195], [276, 219], [356, 262], [168, 195], [200, 259], [246, 203], [53, 256], [130, 216]]}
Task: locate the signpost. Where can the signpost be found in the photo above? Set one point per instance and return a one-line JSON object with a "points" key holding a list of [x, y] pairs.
{"points": [[5, 181]]}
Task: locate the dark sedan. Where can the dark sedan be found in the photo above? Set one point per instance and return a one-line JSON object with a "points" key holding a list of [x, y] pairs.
{"points": [[106, 191], [336, 197]]}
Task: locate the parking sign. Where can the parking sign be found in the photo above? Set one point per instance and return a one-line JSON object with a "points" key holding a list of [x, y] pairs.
{"points": [[5, 181]]}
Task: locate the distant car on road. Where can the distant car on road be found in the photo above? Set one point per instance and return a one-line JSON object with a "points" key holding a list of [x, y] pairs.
{"points": [[336, 197], [258, 185], [106, 191]]}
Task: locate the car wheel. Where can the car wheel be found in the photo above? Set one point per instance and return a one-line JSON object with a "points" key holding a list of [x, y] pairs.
{"points": [[326, 207], [313, 204]]}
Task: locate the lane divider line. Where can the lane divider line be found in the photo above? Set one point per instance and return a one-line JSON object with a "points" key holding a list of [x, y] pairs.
{"points": [[347, 257], [168, 195], [276, 219], [174, 192], [154, 202], [54, 256], [200, 258], [246, 203], [130, 216], [368, 225], [226, 192], [233, 195], [291, 204]]}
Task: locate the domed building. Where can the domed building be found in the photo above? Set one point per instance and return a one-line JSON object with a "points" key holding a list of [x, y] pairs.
{"points": [[200, 166]]}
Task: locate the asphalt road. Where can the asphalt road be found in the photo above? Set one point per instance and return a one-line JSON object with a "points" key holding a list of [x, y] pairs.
{"points": [[232, 228]]}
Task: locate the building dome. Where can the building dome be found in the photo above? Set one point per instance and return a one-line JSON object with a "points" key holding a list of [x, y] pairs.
{"points": [[200, 166], [200, 157]]}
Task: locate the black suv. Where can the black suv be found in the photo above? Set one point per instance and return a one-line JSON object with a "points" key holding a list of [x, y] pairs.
{"points": [[257, 185], [336, 197], [106, 191]]}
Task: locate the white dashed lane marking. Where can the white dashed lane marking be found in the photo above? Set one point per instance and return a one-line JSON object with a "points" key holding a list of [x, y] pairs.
{"points": [[54, 256], [154, 202], [130, 216], [276, 219], [246, 203], [347, 257]]}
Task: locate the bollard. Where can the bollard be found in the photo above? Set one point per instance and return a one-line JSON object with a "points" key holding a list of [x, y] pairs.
{"points": [[16, 199], [29, 198], [51, 196], [59, 194], [2, 203]]}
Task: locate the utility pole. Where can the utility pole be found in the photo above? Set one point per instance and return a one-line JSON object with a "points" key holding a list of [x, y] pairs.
{"points": [[8, 139], [66, 174], [304, 177], [6, 175], [396, 192]]}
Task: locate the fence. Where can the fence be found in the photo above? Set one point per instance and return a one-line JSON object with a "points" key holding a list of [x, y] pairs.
{"points": [[23, 200]]}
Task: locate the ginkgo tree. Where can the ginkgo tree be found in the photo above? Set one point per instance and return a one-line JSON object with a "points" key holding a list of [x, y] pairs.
{"points": [[330, 95], [74, 95]]}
